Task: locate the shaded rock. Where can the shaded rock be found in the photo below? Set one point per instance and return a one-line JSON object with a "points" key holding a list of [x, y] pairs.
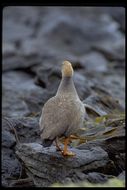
{"points": [[35, 99], [108, 85], [45, 166], [27, 182], [96, 177], [114, 52], [32, 105], [103, 104], [122, 175], [112, 82], [10, 166], [15, 130], [8, 139], [117, 14], [20, 62], [114, 146], [93, 177], [26, 128], [48, 77]]}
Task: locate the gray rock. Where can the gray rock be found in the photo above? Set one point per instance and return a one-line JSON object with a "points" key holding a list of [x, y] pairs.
{"points": [[122, 175], [8, 139], [92, 177], [114, 52], [114, 146], [13, 93], [96, 177], [103, 104], [117, 14], [20, 23], [36, 40], [20, 62], [8, 50], [10, 166], [94, 62], [27, 129], [82, 40], [82, 85], [45, 166], [50, 76], [15, 32], [111, 84]]}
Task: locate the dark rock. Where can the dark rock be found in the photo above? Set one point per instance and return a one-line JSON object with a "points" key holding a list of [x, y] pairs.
{"points": [[54, 167], [122, 175], [92, 177], [27, 128], [36, 98], [96, 177], [117, 14], [103, 104], [108, 85], [8, 139], [114, 146], [27, 182], [112, 82], [20, 62], [10, 166], [114, 52], [48, 76], [32, 105]]}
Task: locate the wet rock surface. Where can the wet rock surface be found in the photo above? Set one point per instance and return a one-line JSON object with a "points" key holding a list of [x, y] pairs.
{"points": [[35, 42]]}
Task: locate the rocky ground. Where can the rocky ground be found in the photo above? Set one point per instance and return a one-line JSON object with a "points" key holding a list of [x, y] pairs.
{"points": [[35, 42]]}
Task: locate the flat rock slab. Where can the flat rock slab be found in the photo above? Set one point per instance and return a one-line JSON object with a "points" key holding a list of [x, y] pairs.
{"points": [[47, 166]]}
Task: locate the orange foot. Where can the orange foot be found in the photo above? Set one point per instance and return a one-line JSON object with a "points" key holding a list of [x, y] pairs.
{"points": [[65, 152], [68, 153]]}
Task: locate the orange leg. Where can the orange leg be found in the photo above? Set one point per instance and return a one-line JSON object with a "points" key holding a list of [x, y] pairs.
{"points": [[65, 152], [57, 145]]}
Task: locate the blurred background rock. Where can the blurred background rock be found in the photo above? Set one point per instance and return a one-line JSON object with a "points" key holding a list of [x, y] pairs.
{"points": [[35, 41]]}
